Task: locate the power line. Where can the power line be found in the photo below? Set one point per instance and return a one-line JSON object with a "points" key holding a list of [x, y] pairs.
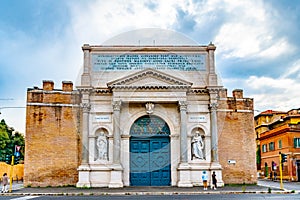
{"points": [[7, 107], [12, 107], [6, 99]]}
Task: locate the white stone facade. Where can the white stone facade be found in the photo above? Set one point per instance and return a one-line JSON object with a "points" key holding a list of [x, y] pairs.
{"points": [[155, 80]]}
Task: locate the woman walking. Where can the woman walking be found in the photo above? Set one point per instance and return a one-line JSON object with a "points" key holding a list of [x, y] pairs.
{"points": [[4, 183], [214, 181]]}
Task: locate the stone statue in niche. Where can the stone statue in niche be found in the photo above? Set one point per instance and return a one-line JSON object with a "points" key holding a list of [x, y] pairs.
{"points": [[101, 146], [197, 146]]}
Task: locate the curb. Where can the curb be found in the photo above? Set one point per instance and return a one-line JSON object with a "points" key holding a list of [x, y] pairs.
{"points": [[144, 193]]}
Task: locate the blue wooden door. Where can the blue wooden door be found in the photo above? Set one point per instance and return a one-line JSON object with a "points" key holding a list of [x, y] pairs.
{"points": [[150, 162]]}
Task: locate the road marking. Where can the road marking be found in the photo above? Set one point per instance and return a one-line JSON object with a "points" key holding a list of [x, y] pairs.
{"points": [[26, 197]]}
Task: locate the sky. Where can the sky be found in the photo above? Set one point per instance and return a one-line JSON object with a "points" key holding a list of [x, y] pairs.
{"points": [[258, 43]]}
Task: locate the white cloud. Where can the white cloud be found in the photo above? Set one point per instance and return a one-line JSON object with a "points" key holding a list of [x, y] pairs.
{"points": [[274, 93], [277, 49], [237, 40], [101, 20], [293, 70], [250, 31]]}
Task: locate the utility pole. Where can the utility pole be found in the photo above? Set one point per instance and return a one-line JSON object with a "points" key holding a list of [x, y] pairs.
{"points": [[11, 173]]}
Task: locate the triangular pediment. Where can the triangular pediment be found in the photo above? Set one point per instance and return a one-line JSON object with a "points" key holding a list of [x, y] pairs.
{"points": [[149, 78]]}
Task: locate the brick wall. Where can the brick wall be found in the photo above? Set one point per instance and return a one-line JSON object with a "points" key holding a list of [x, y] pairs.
{"points": [[52, 137], [237, 138]]}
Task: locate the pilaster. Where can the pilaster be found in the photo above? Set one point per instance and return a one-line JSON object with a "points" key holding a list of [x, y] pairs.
{"points": [[86, 107], [117, 170], [214, 131], [84, 168], [183, 131], [184, 174], [213, 106]]}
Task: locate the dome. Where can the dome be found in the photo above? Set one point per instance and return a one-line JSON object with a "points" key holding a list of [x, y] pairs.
{"points": [[150, 36]]}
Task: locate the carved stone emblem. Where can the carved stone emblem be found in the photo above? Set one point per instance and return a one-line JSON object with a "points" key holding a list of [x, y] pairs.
{"points": [[149, 107]]}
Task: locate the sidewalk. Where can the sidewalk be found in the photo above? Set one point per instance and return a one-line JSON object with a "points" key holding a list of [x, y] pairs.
{"points": [[287, 185], [19, 190]]}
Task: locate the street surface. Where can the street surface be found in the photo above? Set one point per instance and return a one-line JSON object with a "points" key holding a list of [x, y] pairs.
{"points": [[164, 197], [259, 191]]}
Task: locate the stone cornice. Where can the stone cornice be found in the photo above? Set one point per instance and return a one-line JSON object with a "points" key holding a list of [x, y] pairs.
{"points": [[214, 89], [211, 47], [84, 89], [86, 47], [147, 87], [147, 48], [198, 90], [102, 90]]}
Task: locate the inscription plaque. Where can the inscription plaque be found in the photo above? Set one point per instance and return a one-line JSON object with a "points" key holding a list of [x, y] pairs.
{"points": [[103, 118], [130, 61], [197, 118]]}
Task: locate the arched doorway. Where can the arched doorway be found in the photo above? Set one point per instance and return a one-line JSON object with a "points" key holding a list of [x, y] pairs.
{"points": [[150, 163]]}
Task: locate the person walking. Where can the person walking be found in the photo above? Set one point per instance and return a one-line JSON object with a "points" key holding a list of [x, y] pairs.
{"points": [[4, 183], [204, 179], [214, 181]]}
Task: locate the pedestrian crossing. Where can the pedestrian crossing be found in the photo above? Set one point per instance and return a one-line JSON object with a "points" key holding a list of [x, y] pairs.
{"points": [[25, 198]]}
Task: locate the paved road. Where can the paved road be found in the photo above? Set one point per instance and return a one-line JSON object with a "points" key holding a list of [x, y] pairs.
{"points": [[164, 197], [276, 184]]}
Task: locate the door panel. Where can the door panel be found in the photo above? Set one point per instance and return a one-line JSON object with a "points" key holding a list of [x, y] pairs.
{"points": [[160, 162], [139, 163], [150, 162]]}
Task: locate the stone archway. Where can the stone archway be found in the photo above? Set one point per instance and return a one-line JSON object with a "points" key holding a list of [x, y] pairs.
{"points": [[150, 163]]}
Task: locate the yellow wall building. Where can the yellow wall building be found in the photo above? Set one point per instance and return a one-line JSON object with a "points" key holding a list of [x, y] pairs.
{"points": [[279, 132]]}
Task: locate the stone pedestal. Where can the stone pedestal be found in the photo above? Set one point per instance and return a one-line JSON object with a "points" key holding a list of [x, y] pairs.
{"points": [[84, 176], [184, 175], [116, 176]]}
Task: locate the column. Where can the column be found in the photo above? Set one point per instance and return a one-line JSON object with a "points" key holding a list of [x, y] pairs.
{"points": [[214, 132], [184, 170], [183, 132], [84, 168], [85, 133], [213, 106], [116, 130], [116, 180]]}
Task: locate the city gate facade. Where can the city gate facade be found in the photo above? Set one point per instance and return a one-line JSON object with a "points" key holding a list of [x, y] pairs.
{"points": [[141, 115]]}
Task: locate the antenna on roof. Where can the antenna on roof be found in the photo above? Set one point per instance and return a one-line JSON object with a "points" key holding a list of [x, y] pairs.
{"points": [[153, 42]]}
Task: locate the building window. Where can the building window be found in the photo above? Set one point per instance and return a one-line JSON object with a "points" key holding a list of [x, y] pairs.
{"points": [[279, 144], [271, 146], [264, 148], [297, 142]]}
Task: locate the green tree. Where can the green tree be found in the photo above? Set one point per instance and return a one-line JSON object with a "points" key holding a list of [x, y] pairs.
{"points": [[258, 157], [8, 140]]}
